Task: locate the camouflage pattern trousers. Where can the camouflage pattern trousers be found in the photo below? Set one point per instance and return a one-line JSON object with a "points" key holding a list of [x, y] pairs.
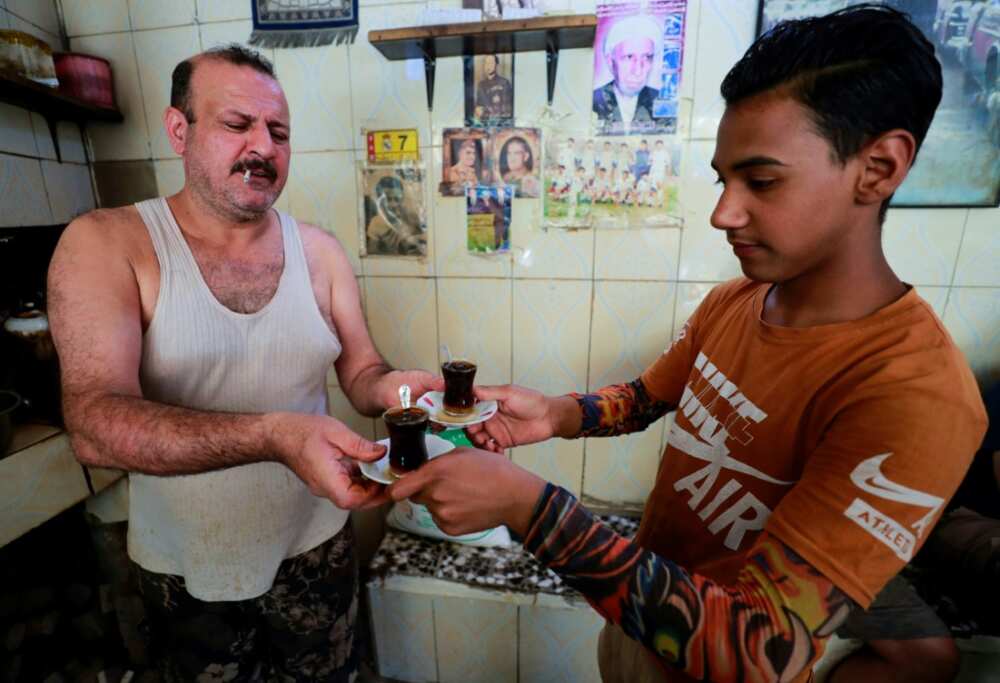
{"points": [[300, 630]]}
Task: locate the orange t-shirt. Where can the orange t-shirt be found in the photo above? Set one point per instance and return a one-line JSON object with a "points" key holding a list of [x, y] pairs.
{"points": [[845, 441]]}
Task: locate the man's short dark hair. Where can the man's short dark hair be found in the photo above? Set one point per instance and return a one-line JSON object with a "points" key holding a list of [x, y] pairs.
{"points": [[388, 183], [860, 72], [180, 80]]}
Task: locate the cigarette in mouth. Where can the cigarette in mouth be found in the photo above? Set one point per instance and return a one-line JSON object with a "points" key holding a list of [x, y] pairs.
{"points": [[246, 176]]}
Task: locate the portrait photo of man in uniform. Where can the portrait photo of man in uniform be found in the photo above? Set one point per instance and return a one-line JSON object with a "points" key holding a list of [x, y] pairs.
{"points": [[625, 61], [489, 90]]}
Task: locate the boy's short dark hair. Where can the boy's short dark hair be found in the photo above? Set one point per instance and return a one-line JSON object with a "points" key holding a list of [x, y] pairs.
{"points": [[860, 71], [234, 53]]}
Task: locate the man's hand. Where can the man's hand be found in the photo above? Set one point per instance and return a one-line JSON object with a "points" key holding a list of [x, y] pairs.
{"points": [[323, 452], [420, 382], [469, 490], [523, 417]]}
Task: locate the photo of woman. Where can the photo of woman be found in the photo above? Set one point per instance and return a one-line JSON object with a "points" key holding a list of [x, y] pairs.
{"points": [[517, 164], [464, 161]]}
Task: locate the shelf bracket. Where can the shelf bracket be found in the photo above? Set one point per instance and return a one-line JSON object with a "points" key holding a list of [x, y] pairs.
{"points": [[551, 62], [430, 62], [53, 123]]}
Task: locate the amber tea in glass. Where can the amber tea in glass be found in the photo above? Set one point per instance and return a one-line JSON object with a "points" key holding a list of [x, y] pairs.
{"points": [[459, 400], [407, 448]]}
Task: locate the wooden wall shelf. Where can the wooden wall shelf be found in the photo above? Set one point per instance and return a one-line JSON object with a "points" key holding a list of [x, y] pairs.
{"points": [[476, 38], [52, 105]]}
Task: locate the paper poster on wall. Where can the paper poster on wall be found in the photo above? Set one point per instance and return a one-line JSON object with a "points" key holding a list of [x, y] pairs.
{"points": [[489, 89], [487, 211], [516, 160], [611, 183], [514, 9], [464, 160], [638, 51], [393, 214]]}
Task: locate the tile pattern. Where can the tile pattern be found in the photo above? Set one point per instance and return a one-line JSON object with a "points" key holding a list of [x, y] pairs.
{"points": [[922, 246], [157, 53], [403, 624], [402, 317], [18, 135], [622, 470], [972, 316], [474, 317], [980, 252], [69, 190], [310, 200], [476, 643], [23, 200], [558, 645], [552, 328]]}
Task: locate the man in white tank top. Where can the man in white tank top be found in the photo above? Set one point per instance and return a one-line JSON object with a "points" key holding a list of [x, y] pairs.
{"points": [[195, 333]]}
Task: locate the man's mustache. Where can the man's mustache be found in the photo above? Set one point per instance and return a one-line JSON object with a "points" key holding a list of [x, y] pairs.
{"points": [[262, 165]]}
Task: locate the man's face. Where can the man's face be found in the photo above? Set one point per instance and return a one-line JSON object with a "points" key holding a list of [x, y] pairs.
{"points": [[467, 154], [241, 121], [490, 66], [631, 61], [787, 204], [394, 200], [516, 156]]}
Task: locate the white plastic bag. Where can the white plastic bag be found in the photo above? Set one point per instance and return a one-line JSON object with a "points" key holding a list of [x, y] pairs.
{"points": [[416, 519]]}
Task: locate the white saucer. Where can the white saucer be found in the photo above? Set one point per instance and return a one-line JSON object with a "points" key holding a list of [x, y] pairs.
{"points": [[379, 470], [433, 403]]}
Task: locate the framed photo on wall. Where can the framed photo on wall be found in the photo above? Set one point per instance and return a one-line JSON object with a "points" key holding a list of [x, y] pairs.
{"points": [[465, 158], [959, 162], [394, 215], [489, 90]]}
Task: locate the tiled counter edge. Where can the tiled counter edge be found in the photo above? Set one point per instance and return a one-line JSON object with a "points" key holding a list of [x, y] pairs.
{"points": [[41, 478]]}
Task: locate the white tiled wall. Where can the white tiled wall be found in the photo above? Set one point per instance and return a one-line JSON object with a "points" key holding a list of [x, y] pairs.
{"points": [[34, 188], [453, 634], [567, 310]]}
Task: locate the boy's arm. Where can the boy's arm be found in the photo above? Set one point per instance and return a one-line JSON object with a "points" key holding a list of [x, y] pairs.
{"points": [[619, 409], [769, 625]]}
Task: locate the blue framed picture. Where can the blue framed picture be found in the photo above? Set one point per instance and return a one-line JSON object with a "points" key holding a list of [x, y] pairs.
{"points": [[959, 161]]}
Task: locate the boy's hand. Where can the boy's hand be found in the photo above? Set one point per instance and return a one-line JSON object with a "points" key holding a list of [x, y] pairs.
{"points": [[468, 490], [523, 417]]}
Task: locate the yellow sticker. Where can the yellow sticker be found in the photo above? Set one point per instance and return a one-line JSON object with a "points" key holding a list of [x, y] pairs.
{"points": [[393, 145]]}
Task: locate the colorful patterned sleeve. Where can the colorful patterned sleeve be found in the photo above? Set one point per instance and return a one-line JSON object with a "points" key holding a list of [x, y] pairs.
{"points": [[619, 409], [768, 626]]}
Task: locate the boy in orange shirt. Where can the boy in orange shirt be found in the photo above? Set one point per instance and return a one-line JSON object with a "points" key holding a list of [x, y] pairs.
{"points": [[824, 415]]}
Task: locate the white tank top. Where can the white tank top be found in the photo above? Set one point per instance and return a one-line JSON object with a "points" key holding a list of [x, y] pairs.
{"points": [[227, 531]]}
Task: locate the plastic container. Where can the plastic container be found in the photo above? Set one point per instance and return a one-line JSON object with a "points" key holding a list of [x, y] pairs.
{"points": [[86, 78], [22, 54]]}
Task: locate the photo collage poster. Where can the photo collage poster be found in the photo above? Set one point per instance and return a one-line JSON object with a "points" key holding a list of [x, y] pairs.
{"points": [[636, 149], [505, 160], [605, 182]]}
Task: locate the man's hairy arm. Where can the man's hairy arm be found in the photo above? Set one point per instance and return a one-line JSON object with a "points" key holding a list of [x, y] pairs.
{"points": [[369, 382], [96, 318]]}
